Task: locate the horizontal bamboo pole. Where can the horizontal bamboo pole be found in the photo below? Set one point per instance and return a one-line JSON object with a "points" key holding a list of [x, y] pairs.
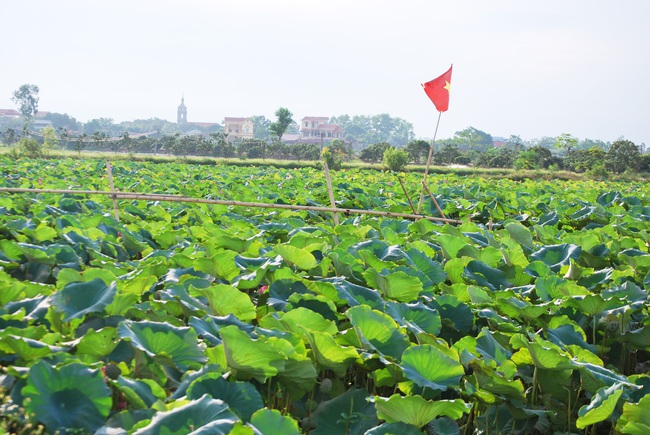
{"points": [[178, 198]]}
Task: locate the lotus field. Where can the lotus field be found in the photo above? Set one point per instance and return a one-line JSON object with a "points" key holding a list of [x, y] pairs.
{"points": [[178, 318]]}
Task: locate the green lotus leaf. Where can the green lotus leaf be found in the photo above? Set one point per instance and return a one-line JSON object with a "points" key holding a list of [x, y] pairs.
{"points": [[301, 258], [27, 349], [358, 295], [271, 422], [556, 256], [164, 341], [251, 358], [68, 397], [394, 285], [486, 276], [221, 265], [349, 413], [77, 299], [417, 317], [451, 245], [417, 411], [394, 429], [636, 417], [432, 271], [377, 331], [601, 406], [520, 234], [206, 414], [329, 354], [241, 397], [225, 299], [98, 344], [299, 318], [429, 367], [453, 312], [443, 426], [494, 382], [140, 393]]}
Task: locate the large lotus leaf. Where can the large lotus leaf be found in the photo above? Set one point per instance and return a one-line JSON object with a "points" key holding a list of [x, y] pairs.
{"points": [[191, 418], [593, 304], [350, 413], [250, 358], [140, 393], [358, 295], [394, 285], [97, 344], [165, 342], [417, 411], [299, 375], [489, 379], [377, 331], [451, 245], [432, 271], [636, 417], [72, 396], [225, 299], [417, 317], [298, 318], [271, 422], [520, 234], [565, 335], [241, 397], [329, 354], [394, 429], [429, 367], [600, 408], [317, 303], [77, 299], [221, 265], [27, 349], [301, 258], [380, 249], [454, 313], [556, 256], [486, 276]]}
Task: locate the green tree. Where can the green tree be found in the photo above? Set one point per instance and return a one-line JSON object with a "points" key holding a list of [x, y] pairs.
{"points": [[374, 153], [447, 155], [622, 155], [284, 120], [473, 139], [26, 97], [124, 142], [30, 147], [537, 157], [99, 137], [418, 150], [9, 136], [50, 141], [583, 160], [333, 158], [566, 143], [395, 159], [261, 127], [80, 143]]}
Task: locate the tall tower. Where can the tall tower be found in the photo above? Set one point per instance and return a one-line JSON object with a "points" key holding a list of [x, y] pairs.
{"points": [[181, 114]]}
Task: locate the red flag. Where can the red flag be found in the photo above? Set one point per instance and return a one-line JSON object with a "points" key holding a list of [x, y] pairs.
{"points": [[438, 90]]}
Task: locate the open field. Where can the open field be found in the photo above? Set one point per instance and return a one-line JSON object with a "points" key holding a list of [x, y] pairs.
{"points": [[530, 316]]}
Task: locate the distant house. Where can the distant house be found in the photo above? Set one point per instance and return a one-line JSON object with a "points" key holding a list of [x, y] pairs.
{"points": [[238, 128], [316, 128], [9, 113]]}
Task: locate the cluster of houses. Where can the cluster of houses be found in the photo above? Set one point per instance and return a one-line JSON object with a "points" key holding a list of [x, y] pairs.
{"points": [[312, 129]]}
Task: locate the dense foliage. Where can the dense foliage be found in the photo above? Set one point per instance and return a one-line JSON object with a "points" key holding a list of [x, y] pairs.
{"points": [[197, 318]]}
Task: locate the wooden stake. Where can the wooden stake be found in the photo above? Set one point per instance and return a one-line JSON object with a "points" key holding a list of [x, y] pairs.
{"points": [[442, 215], [426, 171], [109, 170], [406, 193], [175, 198], [331, 192]]}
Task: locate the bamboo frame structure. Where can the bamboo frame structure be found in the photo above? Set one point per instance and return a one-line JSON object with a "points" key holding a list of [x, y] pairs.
{"points": [[178, 198]]}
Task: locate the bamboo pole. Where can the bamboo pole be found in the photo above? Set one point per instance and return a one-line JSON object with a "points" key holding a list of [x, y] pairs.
{"points": [[426, 171], [407, 195], [109, 171], [442, 215], [177, 198], [330, 191]]}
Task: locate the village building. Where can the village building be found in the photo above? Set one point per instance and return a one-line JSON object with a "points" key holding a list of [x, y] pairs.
{"points": [[238, 128], [317, 128]]}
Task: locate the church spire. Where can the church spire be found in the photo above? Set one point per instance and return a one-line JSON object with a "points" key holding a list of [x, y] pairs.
{"points": [[181, 114]]}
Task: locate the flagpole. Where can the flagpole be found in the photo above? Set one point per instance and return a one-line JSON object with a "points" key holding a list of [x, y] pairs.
{"points": [[426, 171]]}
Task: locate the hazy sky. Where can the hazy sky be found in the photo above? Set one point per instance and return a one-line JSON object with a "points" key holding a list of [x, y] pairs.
{"points": [[528, 68]]}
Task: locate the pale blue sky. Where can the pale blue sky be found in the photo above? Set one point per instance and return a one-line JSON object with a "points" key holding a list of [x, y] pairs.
{"points": [[520, 67]]}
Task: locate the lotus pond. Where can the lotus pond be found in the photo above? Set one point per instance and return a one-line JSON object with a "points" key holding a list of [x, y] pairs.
{"points": [[530, 317]]}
